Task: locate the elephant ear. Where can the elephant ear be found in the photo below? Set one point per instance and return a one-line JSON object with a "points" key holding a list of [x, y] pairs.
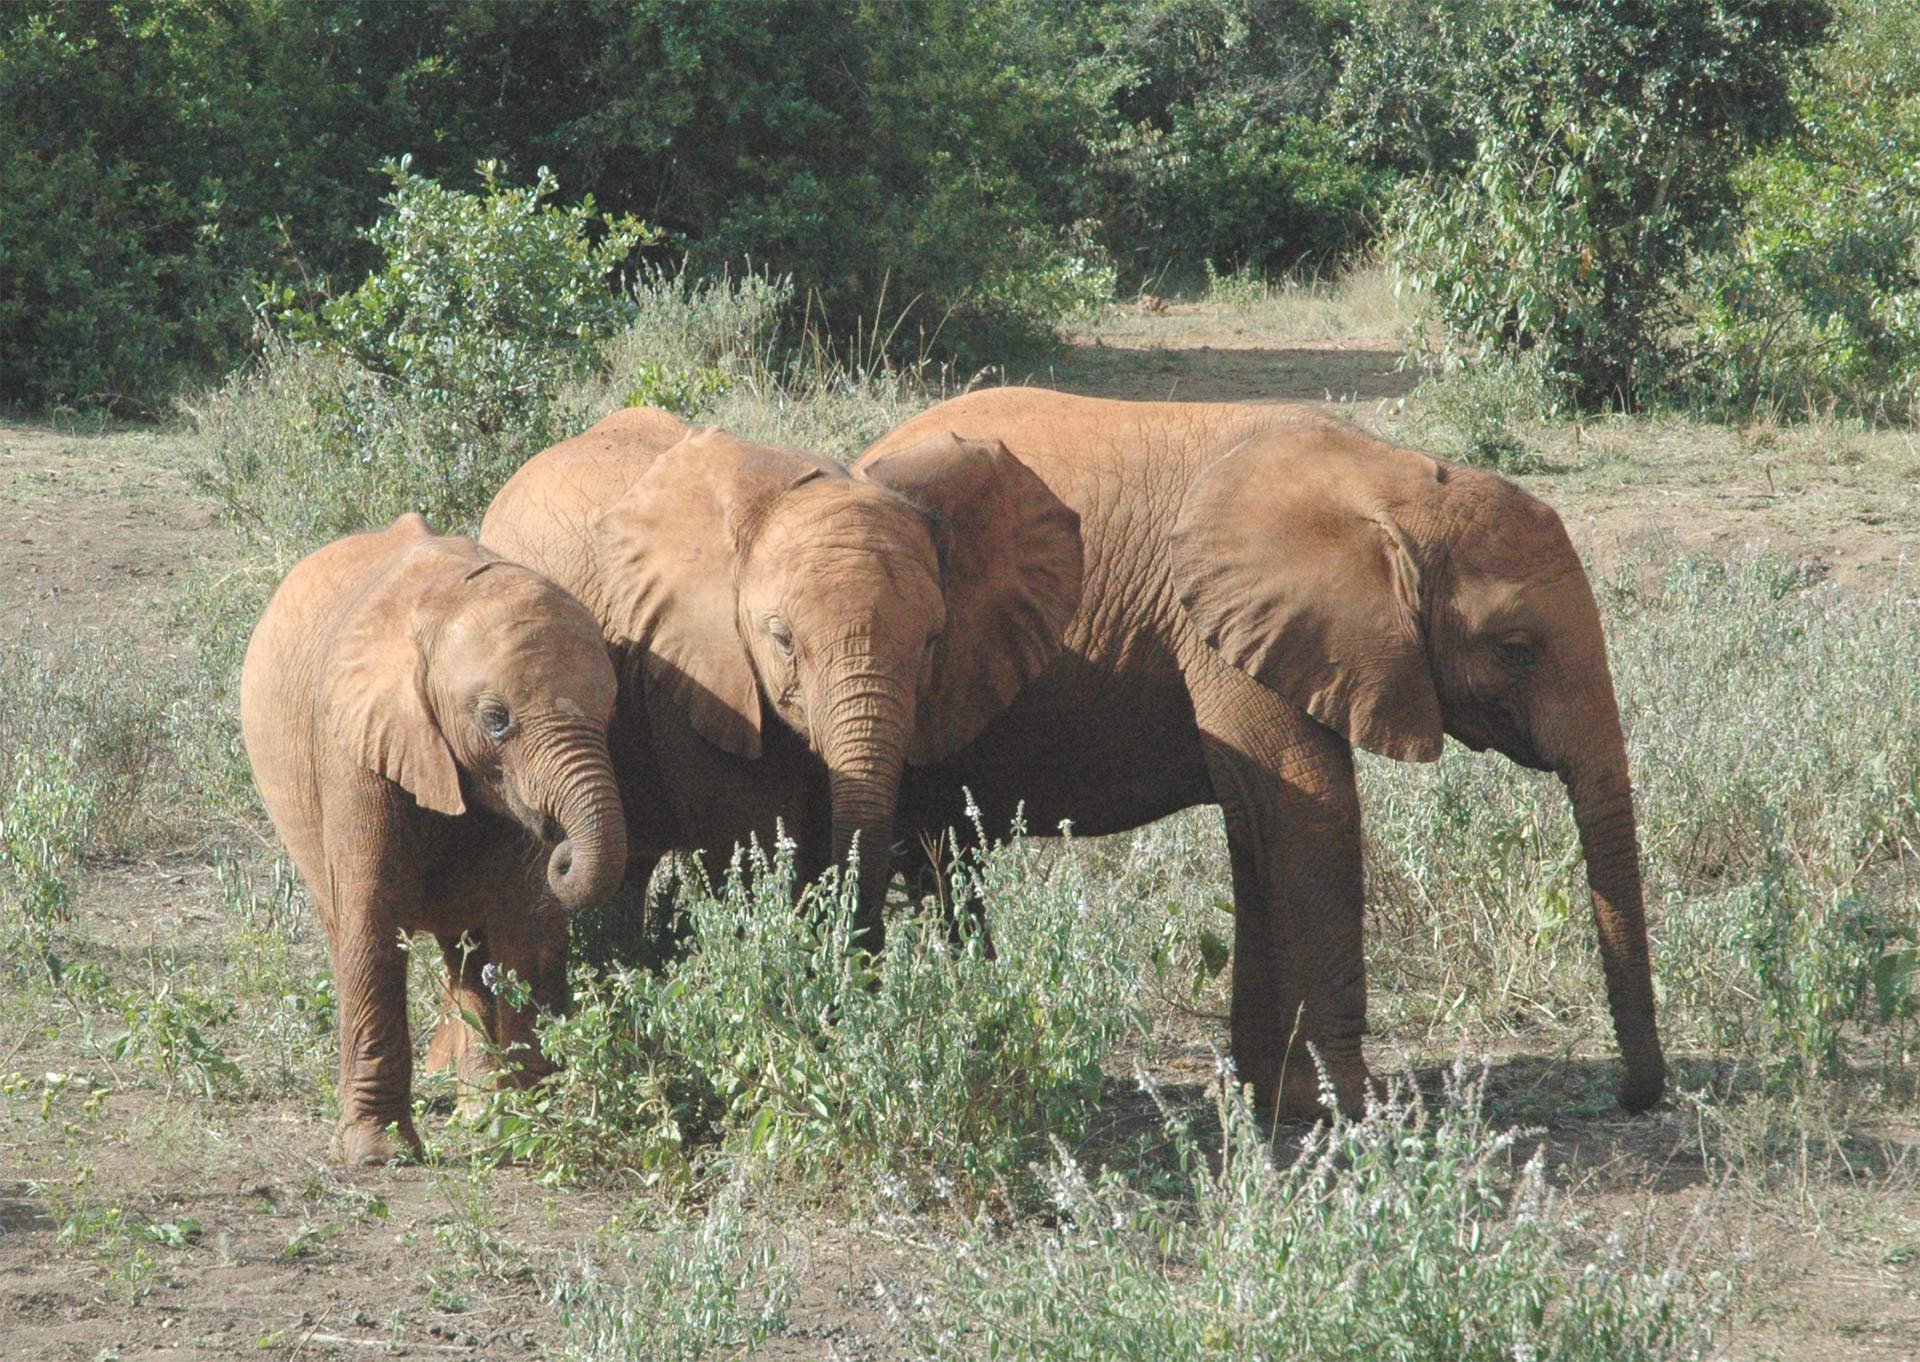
{"points": [[1291, 565], [667, 551], [375, 677], [1011, 558]]}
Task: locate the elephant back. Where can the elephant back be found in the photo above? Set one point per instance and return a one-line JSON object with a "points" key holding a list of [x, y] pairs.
{"points": [[542, 516]]}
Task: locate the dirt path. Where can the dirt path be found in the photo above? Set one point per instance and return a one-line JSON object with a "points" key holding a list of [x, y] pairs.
{"points": [[95, 530]]}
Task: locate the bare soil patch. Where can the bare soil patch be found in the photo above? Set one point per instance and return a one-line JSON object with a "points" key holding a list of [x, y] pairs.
{"points": [[95, 530]]}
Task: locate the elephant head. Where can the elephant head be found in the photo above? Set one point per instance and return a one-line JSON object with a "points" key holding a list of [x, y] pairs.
{"points": [[884, 614], [460, 676], [1399, 599]]}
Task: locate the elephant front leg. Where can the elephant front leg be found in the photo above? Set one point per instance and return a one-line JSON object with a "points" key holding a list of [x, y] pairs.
{"points": [[376, 1055], [1286, 786]]}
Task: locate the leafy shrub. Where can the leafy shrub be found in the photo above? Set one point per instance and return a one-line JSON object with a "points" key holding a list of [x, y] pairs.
{"points": [[698, 1290], [934, 1069], [163, 155], [1472, 413], [81, 748], [482, 303], [45, 822], [1816, 302], [1209, 140], [688, 342], [1603, 140], [430, 383], [1409, 1234]]}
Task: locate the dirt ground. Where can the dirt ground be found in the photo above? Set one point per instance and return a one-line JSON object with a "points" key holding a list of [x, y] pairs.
{"points": [[291, 1257]]}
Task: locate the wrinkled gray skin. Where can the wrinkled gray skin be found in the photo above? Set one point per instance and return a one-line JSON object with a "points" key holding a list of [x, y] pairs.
{"points": [[427, 726], [1264, 587]]}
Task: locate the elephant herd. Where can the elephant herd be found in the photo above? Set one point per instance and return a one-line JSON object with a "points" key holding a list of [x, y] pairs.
{"points": [[670, 639]]}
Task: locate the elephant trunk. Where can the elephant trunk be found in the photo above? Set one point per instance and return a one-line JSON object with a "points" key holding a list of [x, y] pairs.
{"points": [[584, 801], [1602, 798], [865, 752]]}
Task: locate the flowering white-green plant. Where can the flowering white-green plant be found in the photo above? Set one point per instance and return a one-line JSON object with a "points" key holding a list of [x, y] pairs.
{"points": [[1419, 1232]]}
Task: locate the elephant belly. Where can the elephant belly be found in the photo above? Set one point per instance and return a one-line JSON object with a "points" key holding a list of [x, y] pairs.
{"points": [[1103, 751]]}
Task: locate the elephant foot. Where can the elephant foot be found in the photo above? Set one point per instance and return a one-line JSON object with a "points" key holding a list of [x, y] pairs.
{"points": [[1296, 1096], [369, 1142], [1643, 1089]]}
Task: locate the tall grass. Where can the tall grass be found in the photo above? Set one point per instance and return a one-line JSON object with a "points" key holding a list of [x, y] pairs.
{"points": [[931, 1074]]}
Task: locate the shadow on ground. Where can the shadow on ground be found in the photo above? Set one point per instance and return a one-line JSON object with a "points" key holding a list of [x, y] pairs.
{"points": [[1565, 1103]]}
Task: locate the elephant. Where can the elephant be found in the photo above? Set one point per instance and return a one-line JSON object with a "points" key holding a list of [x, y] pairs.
{"points": [[1266, 586], [422, 718], [789, 637]]}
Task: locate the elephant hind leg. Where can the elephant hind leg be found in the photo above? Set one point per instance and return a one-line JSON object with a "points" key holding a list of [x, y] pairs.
{"points": [[528, 943], [465, 1002], [1286, 787], [497, 922]]}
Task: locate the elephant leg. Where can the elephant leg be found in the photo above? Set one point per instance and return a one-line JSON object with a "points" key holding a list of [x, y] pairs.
{"points": [[376, 1055], [1286, 787], [497, 919], [455, 1044], [528, 941]]}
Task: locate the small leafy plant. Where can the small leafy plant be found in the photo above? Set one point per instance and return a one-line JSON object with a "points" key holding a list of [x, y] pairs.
{"points": [[1420, 1231]]}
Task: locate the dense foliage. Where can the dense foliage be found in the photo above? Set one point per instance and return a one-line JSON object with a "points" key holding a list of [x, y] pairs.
{"points": [[424, 387], [1602, 142], [1646, 201], [1817, 303], [959, 173]]}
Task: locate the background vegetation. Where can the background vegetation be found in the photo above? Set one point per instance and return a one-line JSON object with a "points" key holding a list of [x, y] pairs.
{"points": [[379, 253], [1666, 201]]}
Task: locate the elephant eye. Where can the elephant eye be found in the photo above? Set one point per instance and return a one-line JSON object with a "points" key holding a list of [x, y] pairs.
{"points": [[777, 631], [495, 719], [1518, 653]]}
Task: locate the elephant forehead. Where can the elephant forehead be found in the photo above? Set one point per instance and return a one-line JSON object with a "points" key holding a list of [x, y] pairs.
{"points": [[824, 522], [529, 641]]}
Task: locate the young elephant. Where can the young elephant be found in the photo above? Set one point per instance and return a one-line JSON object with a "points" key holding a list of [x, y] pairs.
{"points": [[1264, 587], [418, 712], [789, 636]]}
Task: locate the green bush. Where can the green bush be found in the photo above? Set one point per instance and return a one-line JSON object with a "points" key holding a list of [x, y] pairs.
{"points": [[82, 753], [1474, 414], [423, 389], [46, 820], [933, 1072], [1815, 304], [1415, 1233], [162, 155], [714, 1288], [1207, 137], [1603, 143], [482, 303]]}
